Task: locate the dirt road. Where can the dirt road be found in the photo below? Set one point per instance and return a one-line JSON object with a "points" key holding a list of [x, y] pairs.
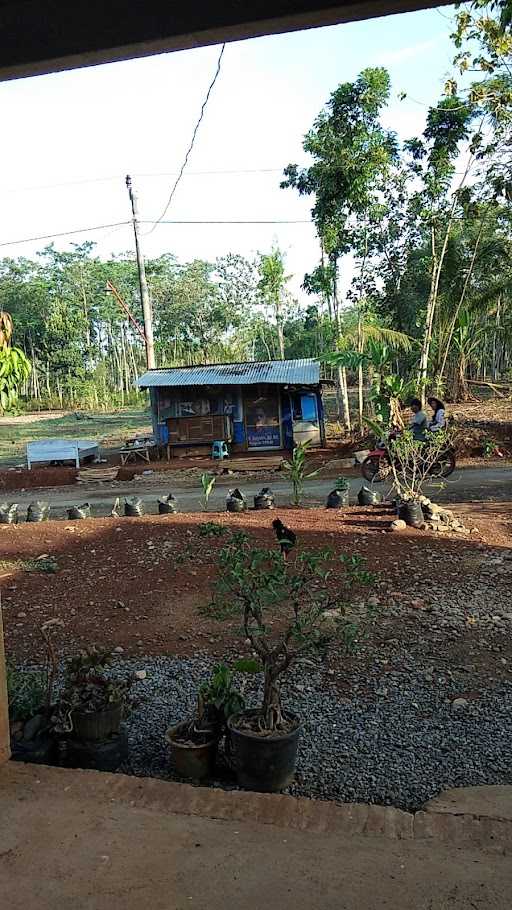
{"points": [[466, 484]]}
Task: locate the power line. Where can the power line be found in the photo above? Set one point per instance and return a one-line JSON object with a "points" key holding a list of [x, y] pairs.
{"points": [[235, 221], [97, 227], [191, 146], [119, 224], [85, 181]]}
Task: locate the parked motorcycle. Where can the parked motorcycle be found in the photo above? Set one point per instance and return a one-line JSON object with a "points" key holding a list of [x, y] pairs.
{"points": [[377, 465]]}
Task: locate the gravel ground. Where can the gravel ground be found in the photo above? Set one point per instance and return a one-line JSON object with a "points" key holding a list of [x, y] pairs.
{"points": [[398, 744]]}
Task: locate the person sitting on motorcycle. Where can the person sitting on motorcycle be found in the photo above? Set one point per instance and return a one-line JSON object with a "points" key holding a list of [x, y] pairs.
{"points": [[438, 421], [419, 421]]}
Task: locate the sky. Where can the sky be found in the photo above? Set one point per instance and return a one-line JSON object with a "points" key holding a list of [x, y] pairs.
{"points": [[70, 138]]}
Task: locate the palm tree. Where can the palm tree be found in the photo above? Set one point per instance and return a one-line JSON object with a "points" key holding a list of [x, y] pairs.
{"points": [[368, 344]]}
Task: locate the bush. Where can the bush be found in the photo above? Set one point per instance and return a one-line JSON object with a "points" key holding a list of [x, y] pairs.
{"points": [[309, 616]]}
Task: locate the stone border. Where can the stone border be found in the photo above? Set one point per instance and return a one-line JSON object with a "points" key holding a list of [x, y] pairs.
{"points": [[300, 814]]}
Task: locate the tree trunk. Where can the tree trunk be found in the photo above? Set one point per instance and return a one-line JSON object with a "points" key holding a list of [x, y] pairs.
{"points": [[280, 332], [437, 266], [342, 375], [360, 345], [271, 698]]}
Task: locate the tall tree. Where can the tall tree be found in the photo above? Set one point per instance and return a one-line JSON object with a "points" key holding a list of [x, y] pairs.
{"points": [[352, 155], [272, 288]]}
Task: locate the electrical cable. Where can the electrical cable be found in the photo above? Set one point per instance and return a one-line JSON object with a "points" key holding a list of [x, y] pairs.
{"points": [[97, 227], [191, 146], [119, 224]]}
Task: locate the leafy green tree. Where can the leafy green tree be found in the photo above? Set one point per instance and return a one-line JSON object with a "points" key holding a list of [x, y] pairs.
{"points": [[272, 288], [352, 154]]}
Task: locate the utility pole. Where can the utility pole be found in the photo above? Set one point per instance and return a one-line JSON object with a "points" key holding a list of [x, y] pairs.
{"points": [[144, 292]]}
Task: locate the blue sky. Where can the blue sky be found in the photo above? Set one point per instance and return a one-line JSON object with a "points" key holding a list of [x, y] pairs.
{"points": [[70, 138]]}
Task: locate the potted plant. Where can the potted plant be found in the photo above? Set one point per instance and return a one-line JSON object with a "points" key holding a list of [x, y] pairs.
{"points": [[413, 462], [30, 695], [340, 495], [194, 742], [257, 581], [90, 711]]}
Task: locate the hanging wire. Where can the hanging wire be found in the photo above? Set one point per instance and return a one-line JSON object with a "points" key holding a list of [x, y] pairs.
{"points": [[191, 146]]}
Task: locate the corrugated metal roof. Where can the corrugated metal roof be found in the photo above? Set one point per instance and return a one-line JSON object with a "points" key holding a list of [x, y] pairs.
{"points": [[278, 372]]}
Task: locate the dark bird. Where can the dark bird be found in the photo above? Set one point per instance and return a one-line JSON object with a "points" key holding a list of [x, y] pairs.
{"points": [[286, 537]]}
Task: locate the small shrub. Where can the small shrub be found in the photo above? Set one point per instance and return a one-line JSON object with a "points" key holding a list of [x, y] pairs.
{"points": [[27, 693], [208, 482], [296, 469], [211, 529]]}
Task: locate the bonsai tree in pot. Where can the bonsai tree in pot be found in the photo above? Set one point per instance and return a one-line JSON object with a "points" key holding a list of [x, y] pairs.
{"points": [[413, 462], [91, 709], [307, 615], [194, 742]]}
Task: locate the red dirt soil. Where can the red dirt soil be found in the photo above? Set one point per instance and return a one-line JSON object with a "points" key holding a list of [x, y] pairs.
{"points": [[140, 583], [22, 479]]}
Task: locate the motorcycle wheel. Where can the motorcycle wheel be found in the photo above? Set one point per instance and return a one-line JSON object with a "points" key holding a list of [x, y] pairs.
{"points": [[445, 466], [375, 469]]}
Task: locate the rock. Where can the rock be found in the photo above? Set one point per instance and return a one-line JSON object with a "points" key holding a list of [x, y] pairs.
{"points": [[398, 525], [459, 702], [21, 615], [119, 650], [16, 729], [33, 726], [140, 674], [360, 456]]}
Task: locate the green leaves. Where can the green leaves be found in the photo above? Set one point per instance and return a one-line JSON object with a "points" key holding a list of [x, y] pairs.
{"points": [[14, 370], [296, 468], [208, 482]]}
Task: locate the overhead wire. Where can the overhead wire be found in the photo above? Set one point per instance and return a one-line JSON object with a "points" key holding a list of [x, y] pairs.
{"points": [[84, 181], [192, 141], [119, 224], [96, 227]]}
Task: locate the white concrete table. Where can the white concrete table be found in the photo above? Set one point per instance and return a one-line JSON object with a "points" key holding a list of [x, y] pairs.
{"points": [[48, 450]]}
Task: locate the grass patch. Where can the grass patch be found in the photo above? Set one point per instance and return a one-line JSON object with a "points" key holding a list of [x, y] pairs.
{"points": [[46, 564], [110, 430]]}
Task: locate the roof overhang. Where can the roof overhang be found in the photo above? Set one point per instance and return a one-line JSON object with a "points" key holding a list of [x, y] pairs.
{"points": [[43, 36]]}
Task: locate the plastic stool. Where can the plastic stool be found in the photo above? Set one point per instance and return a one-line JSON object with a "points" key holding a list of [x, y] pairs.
{"points": [[220, 449]]}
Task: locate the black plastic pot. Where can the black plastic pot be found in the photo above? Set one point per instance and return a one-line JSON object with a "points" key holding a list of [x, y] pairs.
{"points": [[194, 762], [367, 497], [8, 513], [337, 499], [38, 511], [98, 725], [75, 513], [42, 750], [265, 499], [236, 501], [412, 514], [167, 505], [97, 756], [133, 507], [263, 763]]}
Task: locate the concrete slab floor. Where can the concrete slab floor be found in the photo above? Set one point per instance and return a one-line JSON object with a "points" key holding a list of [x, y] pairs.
{"points": [[86, 841]]}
